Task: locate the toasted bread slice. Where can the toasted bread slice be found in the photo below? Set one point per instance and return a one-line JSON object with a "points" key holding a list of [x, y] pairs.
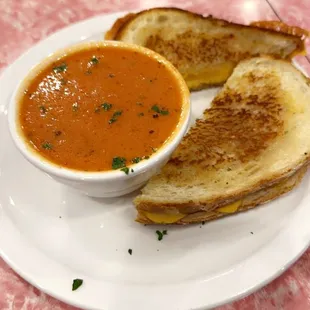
{"points": [[248, 202], [255, 134], [205, 49]]}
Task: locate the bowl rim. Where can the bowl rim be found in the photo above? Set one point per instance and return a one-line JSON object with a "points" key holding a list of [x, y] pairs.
{"points": [[71, 174]]}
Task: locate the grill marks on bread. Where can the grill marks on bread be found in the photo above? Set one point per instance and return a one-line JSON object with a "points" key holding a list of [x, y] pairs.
{"points": [[194, 48], [238, 127]]}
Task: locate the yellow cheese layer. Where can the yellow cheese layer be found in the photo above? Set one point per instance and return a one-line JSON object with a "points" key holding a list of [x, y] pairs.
{"points": [[231, 208], [214, 74], [166, 218]]}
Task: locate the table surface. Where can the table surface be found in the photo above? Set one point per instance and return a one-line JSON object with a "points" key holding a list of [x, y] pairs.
{"points": [[24, 22]]}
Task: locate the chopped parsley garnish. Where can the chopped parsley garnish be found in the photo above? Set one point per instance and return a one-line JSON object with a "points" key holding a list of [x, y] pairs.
{"points": [[47, 146], [43, 109], [117, 113], [164, 112], [106, 106], [146, 157], [161, 234], [75, 106], [130, 251], [115, 116], [94, 60], [76, 284], [136, 160], [60, 68], [125, 169], [156, 109], [141, 114], [118, 162], [112, 120]]}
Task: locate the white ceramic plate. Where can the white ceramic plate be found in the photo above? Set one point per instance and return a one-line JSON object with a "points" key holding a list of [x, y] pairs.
{"points": [[51, 235]]}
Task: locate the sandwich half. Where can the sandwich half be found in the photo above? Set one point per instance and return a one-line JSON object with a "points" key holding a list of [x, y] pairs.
{"points": [[204, 49], [251, 146]]}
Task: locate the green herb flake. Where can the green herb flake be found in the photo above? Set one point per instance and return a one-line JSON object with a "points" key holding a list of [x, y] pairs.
{"points": [[94, 60], [156, 109], [130, 251], [76, 284], [117, 113], [47, 146], [126, 170], [146, 157], [161, 234], [61, 68], [112, 120], [118, 162], [42, 109], [106, 106], [136, 160], [75, 107], [115, 116], [132, 171]]}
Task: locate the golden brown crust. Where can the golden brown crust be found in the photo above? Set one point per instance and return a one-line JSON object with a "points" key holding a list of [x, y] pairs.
{"points": [[250, 202], [118, 25], [205, 54], [281, 27], [230, 141], [273, 27]]}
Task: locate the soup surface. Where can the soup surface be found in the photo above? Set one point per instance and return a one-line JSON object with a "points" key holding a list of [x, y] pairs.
{"points": [[99, 109]]}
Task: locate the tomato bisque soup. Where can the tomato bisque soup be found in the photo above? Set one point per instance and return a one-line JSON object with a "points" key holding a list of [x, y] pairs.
{"points": [[100, 108]]}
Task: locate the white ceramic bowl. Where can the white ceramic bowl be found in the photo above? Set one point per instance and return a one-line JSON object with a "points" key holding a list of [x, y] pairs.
{"points": [[106, 183]]}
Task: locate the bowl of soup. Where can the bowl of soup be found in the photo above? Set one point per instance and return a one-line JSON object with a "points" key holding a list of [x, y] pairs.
{"points": [[101, 117]]}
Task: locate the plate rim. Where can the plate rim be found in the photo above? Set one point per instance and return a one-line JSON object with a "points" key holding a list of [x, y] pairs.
{"points": [[79, 299]]}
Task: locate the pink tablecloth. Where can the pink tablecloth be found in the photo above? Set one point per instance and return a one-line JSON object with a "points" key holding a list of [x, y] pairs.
{"points": [[24, 22]]}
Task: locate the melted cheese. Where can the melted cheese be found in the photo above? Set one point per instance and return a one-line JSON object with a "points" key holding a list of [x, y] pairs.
{"points": [[231, 208], [213, 75], [164, 218]]}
